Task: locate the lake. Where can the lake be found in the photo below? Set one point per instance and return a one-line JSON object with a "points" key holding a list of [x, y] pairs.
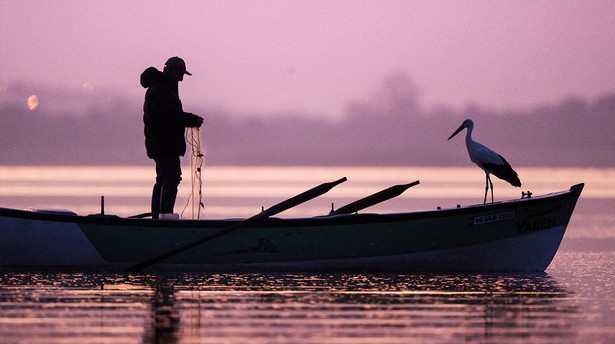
{"points": [[572, 302]]}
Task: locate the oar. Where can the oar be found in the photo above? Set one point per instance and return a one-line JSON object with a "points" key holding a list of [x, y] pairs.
{"points": [[376, 198], [140, 216], [278, 208]]}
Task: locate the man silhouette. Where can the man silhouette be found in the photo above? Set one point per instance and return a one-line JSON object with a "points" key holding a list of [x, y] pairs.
{"points": [[165, 122]]}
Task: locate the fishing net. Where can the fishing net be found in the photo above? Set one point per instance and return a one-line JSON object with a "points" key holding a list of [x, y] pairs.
{"points": [[197, 160]]}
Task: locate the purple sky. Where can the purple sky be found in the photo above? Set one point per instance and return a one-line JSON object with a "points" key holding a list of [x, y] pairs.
{"points": [[316, 56]]}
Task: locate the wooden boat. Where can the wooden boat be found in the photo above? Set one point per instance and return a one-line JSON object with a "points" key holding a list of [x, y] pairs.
{"points": [[520, 235]]}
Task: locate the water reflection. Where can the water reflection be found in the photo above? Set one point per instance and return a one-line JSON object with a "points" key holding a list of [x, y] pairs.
{"points": [[293, 308], [165, 315]]}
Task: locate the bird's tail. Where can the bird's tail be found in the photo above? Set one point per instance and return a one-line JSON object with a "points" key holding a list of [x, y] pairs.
{"points": [[506, 172], [513, 180]]}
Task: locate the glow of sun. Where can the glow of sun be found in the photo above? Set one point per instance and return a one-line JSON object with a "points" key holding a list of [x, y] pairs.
{"points": [[32, 102]]}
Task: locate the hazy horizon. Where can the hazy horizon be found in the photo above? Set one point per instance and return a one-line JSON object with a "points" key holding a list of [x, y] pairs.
{"points": [[389, 128]]}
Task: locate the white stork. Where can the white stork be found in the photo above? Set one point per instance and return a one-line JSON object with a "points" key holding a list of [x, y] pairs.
{"points": [[488, 160]]}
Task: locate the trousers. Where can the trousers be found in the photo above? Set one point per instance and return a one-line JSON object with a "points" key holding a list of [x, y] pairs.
{"points": [[168, 177]]}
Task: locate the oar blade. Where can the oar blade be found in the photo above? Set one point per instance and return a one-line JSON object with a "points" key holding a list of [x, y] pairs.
{"points": [[303, 197], [376, 198]]}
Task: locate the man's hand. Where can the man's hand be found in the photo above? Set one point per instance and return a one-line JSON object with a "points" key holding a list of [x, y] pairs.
{"points": [[193, 120]]}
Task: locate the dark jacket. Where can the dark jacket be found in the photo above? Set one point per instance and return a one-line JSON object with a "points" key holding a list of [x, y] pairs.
{"points": [[163, 115]]}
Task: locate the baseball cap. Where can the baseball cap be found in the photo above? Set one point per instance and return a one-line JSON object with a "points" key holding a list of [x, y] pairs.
{"points": [[176, 63]]}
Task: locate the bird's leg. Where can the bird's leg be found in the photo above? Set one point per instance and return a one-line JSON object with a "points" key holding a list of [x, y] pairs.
{"points": [[486, 187], [490, 184]]}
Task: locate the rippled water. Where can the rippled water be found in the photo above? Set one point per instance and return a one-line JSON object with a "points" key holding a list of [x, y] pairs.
{"points": [[573, 302]]}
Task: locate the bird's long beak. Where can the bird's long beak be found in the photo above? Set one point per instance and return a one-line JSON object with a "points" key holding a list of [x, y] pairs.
{"points": [[456, 131]]}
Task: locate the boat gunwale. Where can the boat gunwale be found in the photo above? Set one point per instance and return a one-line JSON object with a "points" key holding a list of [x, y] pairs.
{"points": [[325, 220]]}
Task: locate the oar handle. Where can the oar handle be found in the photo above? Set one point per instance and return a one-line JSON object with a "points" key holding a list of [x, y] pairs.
{"points": [[278, 208], [376, 198], [140, 216]]}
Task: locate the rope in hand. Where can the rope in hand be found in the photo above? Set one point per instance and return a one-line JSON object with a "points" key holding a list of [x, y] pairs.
{"points": [[197, 160]]}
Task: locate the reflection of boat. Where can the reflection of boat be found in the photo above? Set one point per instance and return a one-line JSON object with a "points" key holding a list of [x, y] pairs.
{"points": [[239, 307], [517, 235]]}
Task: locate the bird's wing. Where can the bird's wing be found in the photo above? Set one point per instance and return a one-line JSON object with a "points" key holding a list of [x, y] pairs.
{"points": [[482, 155]]}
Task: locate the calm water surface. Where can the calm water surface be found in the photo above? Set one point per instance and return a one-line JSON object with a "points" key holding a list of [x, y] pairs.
{"points": [[243, 191], [573, 302]]}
